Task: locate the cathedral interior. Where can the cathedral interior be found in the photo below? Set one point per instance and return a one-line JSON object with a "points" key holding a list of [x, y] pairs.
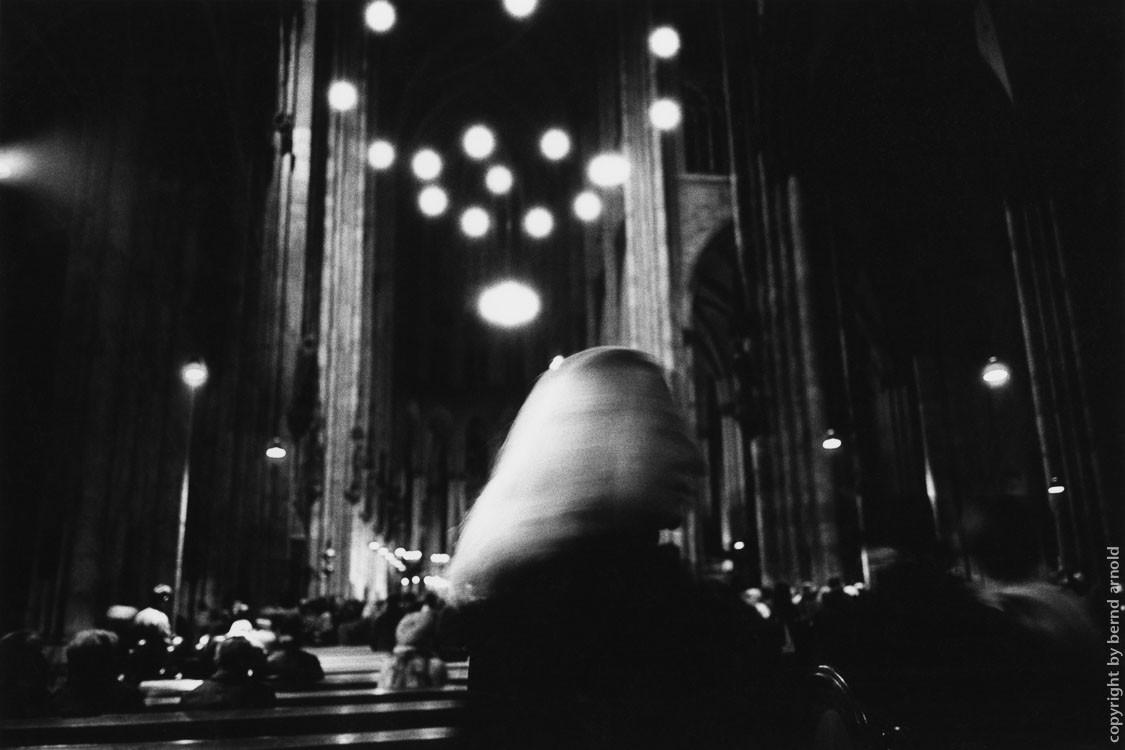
{"points": [[876, 247]]}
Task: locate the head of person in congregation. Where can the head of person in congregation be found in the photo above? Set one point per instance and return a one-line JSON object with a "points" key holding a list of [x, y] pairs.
{"points": [[23, 676], [238, 680], [93, 663]]}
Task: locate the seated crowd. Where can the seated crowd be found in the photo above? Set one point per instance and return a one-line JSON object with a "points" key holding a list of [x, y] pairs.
{"points": [[241, 656]]}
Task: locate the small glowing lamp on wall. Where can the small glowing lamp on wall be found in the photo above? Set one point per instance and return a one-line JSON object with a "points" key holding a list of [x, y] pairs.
{"points": [[275, 451], [1056, 487], [194, 374], [831, 442], [996, 374]]}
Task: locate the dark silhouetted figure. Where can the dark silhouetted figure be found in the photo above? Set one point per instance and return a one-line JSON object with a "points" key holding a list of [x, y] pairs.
{"points": [[93, 658], [289, 662], [23, 676], [238, 681]]}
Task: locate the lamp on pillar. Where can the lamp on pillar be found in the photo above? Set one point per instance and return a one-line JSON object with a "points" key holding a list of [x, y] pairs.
{"points": [[194, 375], [831, 441], [276, 451]]}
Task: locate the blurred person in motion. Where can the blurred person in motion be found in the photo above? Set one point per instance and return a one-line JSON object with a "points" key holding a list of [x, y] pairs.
{"points": [[582, 629]]}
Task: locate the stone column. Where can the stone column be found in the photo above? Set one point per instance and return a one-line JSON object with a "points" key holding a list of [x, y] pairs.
{"points": [[645, 300]]}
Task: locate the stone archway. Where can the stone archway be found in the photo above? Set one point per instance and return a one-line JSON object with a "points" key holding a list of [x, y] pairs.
{"points": [[726, 527]]}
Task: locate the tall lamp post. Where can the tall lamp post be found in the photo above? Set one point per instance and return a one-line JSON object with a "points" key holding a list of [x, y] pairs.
{"points": [[194, 375]]}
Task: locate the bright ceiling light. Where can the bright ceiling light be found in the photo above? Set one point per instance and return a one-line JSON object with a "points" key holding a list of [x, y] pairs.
{"points": [[664, 42], [520, 8], [555, 144], [426, 164], [7, 167], [608, 170], [996, 374], [538, 222], [433, 201], [478, 142], [665, 114], [498, 180], [508, 304], [380, 16], [342, 96], [587, 206], [380, 154], [1056, 487], [475, 221], [831, 442]]}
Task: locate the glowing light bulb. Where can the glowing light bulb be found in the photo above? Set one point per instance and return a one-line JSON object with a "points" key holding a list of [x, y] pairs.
{"points": [[608, 170], [478, 142], [342, 96], [194, 374], [380, 16], [433, 201], [555, 144], [499, 180], [996, 374], [380, 154], [520, 8], [831, 442], [426, 164], [475, 222], [587, 206], [665, 114], [509, 304], [276, 451], [538, 222], [664, 42]]}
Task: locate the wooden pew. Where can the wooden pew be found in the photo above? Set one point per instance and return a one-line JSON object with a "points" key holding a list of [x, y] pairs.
{"points": [[426, 738], [320, 696], [164, 727]]}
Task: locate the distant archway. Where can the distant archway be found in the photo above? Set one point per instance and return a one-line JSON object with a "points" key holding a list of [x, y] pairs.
{"points": [[727, 532]]}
